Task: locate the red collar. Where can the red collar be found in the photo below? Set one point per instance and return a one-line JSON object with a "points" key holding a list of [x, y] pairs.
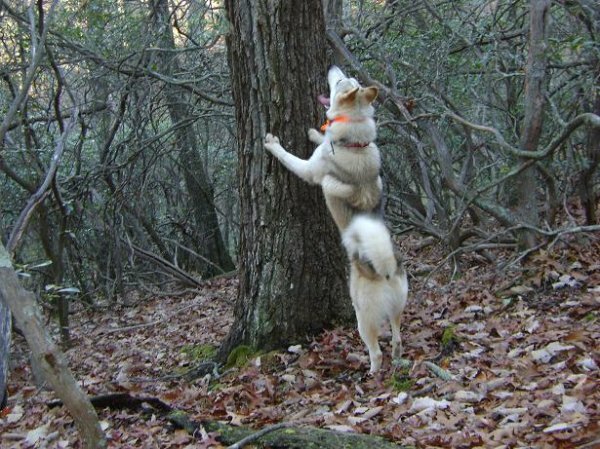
{"points": [[344, 119], [353, 144]]}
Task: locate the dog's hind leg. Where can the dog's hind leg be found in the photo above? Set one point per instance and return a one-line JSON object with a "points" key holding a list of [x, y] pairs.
{"points": [[339, 210], [395, 322], [369, 332]]}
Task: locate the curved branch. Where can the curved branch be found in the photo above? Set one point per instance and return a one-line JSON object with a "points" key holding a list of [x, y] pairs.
{"points": [[42, 192], [588, 118]]}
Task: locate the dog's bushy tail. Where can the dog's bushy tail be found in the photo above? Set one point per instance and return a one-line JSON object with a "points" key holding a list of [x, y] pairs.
{"points": [[368, 240]]}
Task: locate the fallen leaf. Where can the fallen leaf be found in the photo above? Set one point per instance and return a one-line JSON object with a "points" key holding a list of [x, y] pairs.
{"points": [[373, 412], [14, 415], [559, 427], [401, 398], [571, 404], [545, 354], [587, 363], [340, 428], [426, 403], [467, 396], [37, 434], [296, 349]]}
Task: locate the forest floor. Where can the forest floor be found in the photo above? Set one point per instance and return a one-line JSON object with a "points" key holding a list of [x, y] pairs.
{"points": [[518, 351]]}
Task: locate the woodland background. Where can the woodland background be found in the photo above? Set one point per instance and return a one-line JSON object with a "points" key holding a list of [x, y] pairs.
{"points": [[121, 173]]}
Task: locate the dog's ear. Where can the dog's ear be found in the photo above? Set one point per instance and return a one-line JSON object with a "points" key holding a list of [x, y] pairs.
{"points": [[348, 97], [369, 94]]}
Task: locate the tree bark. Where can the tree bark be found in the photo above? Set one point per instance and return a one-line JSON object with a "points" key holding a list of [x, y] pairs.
{"points": [[5, 334], [587, 191], [48, 356], [292, 269], [333, 11], [535, 74]]}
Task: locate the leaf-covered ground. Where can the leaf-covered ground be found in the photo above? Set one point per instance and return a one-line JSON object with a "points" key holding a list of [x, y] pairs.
{"points": [[492, 359]]}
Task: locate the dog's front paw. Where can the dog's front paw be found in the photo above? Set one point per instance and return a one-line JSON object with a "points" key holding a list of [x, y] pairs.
{"points": [[315, 136], [271, 143], [271, 140]]}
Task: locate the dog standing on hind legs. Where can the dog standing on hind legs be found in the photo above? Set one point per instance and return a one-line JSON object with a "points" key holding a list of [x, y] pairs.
{"points": [[378, 284], [346, 162]]}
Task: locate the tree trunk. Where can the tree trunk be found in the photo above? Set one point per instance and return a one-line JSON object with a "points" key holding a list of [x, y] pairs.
{"points": [[5, 334], [47, 355], [333, 10], [586, 185], [209, 242], [292, 269], [535, 75]]}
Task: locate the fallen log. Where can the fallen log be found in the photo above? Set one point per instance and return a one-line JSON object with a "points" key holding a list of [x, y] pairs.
{"points": [[121, 401], [280, 436], [300, 438], [47, 355]]}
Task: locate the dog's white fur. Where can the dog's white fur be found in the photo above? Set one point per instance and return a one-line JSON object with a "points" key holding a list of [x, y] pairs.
{"points": [[348, 176], [378, 284]]}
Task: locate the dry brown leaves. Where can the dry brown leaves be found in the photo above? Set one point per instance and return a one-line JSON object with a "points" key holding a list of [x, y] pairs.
{"points": [[523, 363]]}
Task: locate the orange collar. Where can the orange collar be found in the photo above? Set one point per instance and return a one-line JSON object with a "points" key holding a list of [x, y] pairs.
{"points": [[344, 119], [338, 119]]}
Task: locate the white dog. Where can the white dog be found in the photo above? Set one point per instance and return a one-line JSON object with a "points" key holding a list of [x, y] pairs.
{"points": [[378, 284], [346, 163]]}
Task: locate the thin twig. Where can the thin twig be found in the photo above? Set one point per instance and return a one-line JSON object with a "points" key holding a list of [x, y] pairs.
{"points": [[255, 436], [174, 270]]}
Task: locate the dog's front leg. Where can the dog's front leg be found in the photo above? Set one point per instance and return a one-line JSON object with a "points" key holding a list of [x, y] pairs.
{"points": [[315, 136], [299, 167]]}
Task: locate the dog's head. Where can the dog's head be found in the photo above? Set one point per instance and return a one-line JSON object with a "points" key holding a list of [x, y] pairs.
{"points": [[346, 96]]}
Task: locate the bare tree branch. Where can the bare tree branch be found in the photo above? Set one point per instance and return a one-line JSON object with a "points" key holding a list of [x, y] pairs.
{"points": [[43, 191], [589, 119], [169, 267], [36, 59]]}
